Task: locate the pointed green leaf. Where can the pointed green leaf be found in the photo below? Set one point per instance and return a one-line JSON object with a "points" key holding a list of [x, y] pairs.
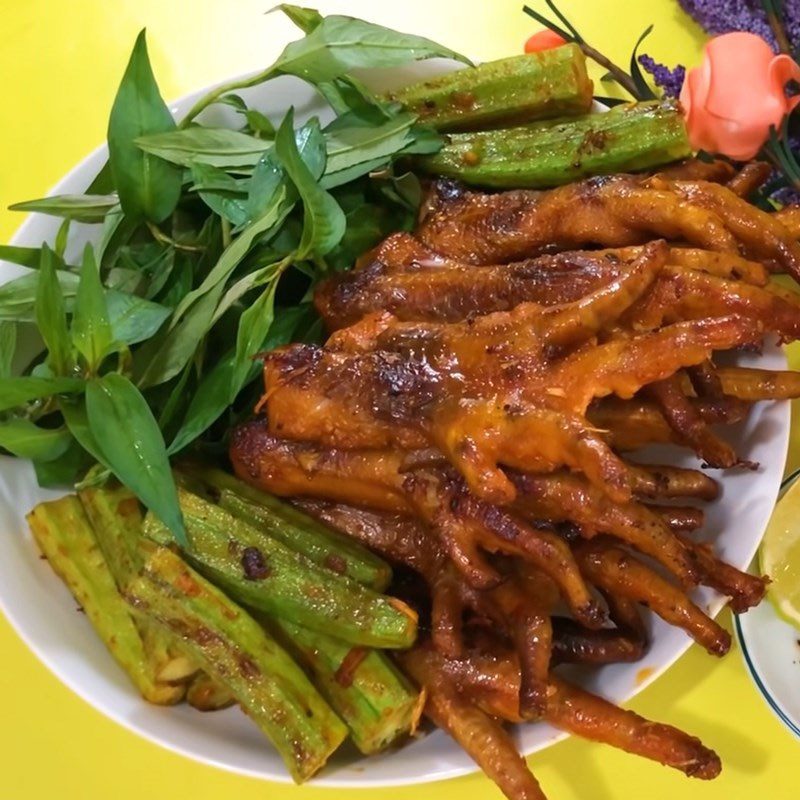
{"points": [[77, 207], [18, 391], [235, 252], [62, 238], [338, 45], [165, 355], [642, 86], [18, 297], [91, 330], [218, 390], [64, 470], [8, 347], [73, 409], [354, 139], [116, 233], [207, 404], [223, 194], [134, 319], [324, 222], [219, 147], [305, 18], [148, 187], [51, 316], [254, 326], [26, 440], [259, 124], [30, 257], [131, 444]]}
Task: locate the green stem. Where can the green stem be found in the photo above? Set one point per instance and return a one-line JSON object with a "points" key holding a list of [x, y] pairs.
{"points": [[214, 95], [162, 238], [780, 165], [226, 232], [780, 33], [773, 10], [619, 74]]}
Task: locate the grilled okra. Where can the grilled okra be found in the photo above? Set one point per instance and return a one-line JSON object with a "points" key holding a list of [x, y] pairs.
{"points": [[65, 536], [259, 571], [240, 655], [509, 91], [296, 530], [627, 138], [376, 702]]}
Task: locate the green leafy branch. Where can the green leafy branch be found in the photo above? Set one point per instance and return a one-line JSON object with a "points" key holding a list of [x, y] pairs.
{"points": [[209, 242]]}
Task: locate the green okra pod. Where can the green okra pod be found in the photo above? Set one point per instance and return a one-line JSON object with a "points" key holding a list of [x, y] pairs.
{"points": [[259, 571], [375, 701], [296, 530], [627, 138], [116, 518], [237, 652], [207, 694], [65, 536], [551, 83]]}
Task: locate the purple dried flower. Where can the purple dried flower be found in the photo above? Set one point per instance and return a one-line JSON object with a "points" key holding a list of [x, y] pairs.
{"points": [[786, 196], [724, 16], [668, 80], [791, 21]]}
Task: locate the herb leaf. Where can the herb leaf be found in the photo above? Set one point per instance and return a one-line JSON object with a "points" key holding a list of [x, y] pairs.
{"points": [[259, 124], [165, 355], [91, 330], [131, 444], [18, 391], [73, 410], [219, 147], [24, 256], [224, 195], [132, 318], [8, 346], [77, 207], [254, 326], [209, 401], [235, 252], [305, 18], [18, 297], [64, 470], [215, 392], [354, 139], [26, 440], [324, 222], [268, 178], [338, 45], [148, 187], [51, 316]]}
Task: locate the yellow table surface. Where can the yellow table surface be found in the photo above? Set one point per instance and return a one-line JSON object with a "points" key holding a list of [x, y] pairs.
{"points": [[59, 67]]}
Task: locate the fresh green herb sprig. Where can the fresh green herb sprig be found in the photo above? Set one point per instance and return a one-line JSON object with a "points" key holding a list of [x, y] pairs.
{"points": [[211, 241]]}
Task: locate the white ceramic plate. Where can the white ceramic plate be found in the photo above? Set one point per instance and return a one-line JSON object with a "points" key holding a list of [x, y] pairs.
{"points": [[771, 652], [44, 614]]}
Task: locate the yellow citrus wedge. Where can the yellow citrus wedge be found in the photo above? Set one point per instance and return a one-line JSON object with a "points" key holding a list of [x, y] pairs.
{"points": [[780, 555]]}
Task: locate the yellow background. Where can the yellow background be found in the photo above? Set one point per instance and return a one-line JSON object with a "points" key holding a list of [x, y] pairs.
{"points": [[60, 61]]}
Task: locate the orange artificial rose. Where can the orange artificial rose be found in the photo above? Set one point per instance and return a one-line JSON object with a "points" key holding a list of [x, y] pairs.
{"points": [[738, 92], [544, 40]]}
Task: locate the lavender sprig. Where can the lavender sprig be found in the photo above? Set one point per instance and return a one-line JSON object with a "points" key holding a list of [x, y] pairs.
{"points": [[776, 21], [668, 80]]}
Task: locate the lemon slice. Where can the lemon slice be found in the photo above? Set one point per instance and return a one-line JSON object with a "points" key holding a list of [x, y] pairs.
{"points": [[780, 555]]}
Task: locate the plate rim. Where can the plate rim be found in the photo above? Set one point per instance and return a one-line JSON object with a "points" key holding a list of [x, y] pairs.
{"points": [[340, 778], [769, 697]]}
